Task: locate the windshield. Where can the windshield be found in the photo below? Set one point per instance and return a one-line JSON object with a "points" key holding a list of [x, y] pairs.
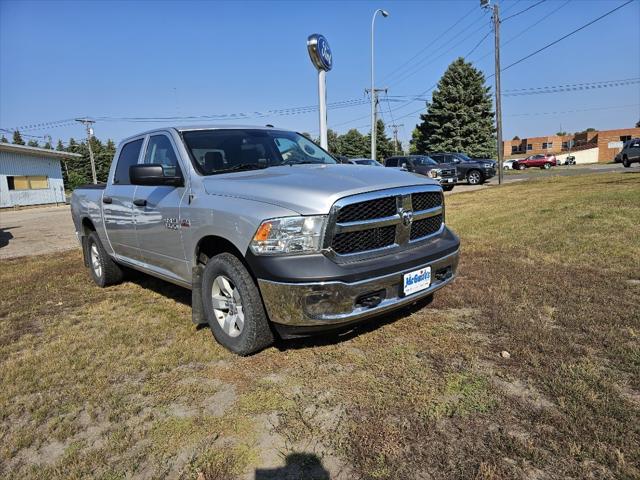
{"points": [[226, 150], [424, 161]]}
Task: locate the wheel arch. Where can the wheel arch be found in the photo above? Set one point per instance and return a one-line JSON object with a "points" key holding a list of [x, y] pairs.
{"points": [[211, 245]]}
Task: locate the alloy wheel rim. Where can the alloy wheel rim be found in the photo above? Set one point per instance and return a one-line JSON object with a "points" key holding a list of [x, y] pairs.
{"points": [[474, 178], [95, 260], [227, 306]]}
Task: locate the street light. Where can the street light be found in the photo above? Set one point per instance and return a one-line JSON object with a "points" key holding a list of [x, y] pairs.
{"points": [[373, 89]]}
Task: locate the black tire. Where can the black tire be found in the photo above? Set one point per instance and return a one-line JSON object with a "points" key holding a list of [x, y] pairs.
{"points": [[626, 162], [522, 167], [105, 272], [256, 333], [547, 166], [475, 177], [447, 188]]}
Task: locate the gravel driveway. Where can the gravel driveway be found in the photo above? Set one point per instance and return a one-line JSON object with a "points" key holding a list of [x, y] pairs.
{"points": [[35, 231]]}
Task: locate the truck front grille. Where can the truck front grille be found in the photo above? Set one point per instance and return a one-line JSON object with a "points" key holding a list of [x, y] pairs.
{"points": [[425, 200], [378, 208], [363, 240], [391, 218], [425, 227]]}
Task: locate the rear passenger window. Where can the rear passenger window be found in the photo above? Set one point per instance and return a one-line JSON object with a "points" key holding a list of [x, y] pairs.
{"points": [[392, 162], [128, 157]]}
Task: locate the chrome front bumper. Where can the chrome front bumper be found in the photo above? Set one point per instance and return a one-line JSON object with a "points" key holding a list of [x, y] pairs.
{"points": [[334, 303]]}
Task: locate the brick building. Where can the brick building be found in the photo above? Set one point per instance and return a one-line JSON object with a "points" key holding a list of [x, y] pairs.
{"points": [[559, 144]]}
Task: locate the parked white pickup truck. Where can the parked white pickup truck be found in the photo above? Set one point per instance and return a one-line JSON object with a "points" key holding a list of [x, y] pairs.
{"points": [[272, 237]]}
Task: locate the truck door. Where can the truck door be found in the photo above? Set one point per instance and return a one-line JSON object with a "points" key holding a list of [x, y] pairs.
{"points": [[157, 213], [117, 204]]}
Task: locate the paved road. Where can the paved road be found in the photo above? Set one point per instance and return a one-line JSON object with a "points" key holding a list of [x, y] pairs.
{"points": [[35, 231]]}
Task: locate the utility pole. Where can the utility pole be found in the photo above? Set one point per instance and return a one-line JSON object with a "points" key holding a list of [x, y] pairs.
{"points": [[87, 123], [496, 30], [395, 127], [374, 117]]}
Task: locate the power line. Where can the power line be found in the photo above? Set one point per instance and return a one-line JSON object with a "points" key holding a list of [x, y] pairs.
{"points": [[428, 45], [566, 36], [612, 107], [477, 44], [523, 10], [429, 60], [522, 32]]}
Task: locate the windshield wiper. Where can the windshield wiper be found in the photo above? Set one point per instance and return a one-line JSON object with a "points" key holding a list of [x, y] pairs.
{"points": [[242, 166], [299, 162]]}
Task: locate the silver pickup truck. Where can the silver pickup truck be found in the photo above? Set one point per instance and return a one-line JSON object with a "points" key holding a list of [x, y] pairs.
{"points": [[271, 235]]}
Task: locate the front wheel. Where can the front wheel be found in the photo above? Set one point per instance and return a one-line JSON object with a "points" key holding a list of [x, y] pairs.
{"points": [[474, 177], [233, 306], [626, 162], [547, 166], [104, 270]]}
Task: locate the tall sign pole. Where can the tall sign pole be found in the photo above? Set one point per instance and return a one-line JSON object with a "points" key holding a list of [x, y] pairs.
{"points": [[322, 59]]}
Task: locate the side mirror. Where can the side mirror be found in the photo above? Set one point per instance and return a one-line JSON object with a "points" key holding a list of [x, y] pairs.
{"points": [[152, 174], [403, 166]]}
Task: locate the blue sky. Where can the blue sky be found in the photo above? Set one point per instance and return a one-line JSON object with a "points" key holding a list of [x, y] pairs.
{"points": [[114, 59]]}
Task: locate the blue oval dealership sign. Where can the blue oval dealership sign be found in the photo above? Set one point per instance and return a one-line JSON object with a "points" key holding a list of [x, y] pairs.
{"points": [[320, 52]]}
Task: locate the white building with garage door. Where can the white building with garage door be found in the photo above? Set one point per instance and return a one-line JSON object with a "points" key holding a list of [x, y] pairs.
{"points": [[30, 175]]}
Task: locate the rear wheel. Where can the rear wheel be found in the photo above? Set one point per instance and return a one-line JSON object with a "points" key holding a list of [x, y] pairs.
{"points": [[474, 177], [104, 270], [233, 306], [521, 166]]}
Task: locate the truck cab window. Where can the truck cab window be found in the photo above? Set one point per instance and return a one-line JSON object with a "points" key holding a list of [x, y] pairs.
{"points": [[160, 151], [128, 157]]}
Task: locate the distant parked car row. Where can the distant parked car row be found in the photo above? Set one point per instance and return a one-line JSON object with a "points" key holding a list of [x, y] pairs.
{"points": [[540, 160], [630, 153], [447, 168]]}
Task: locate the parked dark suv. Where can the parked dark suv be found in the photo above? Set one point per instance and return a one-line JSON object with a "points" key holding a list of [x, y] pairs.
{"points": [[630, 152], [473, 171], [445, 174]]}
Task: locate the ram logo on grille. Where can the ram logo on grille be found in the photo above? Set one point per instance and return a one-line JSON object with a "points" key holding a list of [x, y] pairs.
{"points": [[382, 220]]}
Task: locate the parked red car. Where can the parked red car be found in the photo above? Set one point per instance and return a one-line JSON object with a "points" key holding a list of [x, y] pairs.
{"points": [[540, 161]]}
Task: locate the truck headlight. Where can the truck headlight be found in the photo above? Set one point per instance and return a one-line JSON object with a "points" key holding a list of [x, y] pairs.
{"points": [[488, 165], [434, 173], [289, 235]]}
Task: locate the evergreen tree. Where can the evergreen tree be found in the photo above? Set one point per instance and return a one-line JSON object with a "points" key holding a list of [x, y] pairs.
{"points": [[48, 145], [4, 139], [353, 144], [460, 115], [60, 146], [333, 141], [33, 143], [17, 138], [638, 124], [384, 145]]}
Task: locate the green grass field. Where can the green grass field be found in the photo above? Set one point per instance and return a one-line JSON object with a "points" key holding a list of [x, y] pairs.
{"points": [[118, 383]]}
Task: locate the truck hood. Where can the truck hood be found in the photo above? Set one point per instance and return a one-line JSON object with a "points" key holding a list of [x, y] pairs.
{"points": [[309, 189]]}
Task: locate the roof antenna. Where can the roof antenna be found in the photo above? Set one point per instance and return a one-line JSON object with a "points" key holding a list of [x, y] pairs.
{"points": [[269, 125]]}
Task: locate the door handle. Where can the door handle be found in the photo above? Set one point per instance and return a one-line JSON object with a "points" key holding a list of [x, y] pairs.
{"points": [[107, 200], [140, 202]]}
